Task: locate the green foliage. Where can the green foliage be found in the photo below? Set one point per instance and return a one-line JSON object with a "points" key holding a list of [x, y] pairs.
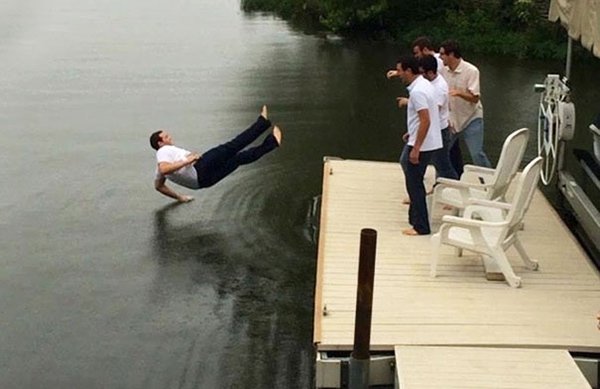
{"points": [[506, 27], [353, 15]]}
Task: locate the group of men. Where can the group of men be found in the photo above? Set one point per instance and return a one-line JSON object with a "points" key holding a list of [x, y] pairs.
{"points": [[443, 105]]}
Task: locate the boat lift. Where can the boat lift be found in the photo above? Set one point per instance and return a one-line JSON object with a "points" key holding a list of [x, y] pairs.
{"points": [[556, 125]]}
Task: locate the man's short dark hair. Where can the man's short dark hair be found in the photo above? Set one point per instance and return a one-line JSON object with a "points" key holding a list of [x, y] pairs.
{"points": [[428, 64], [423, 42], [154, 139], [451, 47], [409, 62]]}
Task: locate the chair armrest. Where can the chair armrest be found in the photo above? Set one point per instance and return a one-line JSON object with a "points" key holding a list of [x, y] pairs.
{"points": [[464, 222], [488, 203], [461, 184], [479, 169]]}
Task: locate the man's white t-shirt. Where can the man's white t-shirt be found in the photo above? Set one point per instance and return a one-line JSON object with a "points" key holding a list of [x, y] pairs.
{"points": [[422, 96], [442, 98], [441, 68], [185, 176]]}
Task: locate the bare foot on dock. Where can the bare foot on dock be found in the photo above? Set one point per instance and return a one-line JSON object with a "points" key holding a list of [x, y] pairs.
{"points": [[263, 112], [277, 135], [410, 232]]}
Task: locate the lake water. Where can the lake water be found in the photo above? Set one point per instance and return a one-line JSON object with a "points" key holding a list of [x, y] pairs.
{"points": [[107, 284]]}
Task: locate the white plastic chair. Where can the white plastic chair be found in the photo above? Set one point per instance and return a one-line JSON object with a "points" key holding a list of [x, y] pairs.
{"points": [[480, 182], [492, 237]]}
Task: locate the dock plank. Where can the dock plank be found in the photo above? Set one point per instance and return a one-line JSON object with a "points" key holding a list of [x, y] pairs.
{"points": [[481, 368]]}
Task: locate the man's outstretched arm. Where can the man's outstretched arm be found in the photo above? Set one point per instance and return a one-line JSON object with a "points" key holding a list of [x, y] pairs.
{"points": [[169, 167], [466, 95], [161, 186]]}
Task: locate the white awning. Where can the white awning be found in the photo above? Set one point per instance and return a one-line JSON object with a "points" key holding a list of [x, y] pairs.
{"points": [[582, 20]]}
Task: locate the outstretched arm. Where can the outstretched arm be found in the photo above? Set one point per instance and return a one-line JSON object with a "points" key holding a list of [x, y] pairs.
{"points": [[161, 186], [169, 167], [402, 101], [393, 73], [424, 122], [465, 95]]}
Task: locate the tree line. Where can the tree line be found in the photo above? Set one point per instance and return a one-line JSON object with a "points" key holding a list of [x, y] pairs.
{"points": [[499, 27]]}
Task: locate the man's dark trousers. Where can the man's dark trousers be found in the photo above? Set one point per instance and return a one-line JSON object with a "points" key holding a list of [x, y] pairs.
{"points": [[414, 174], [219, 162]]}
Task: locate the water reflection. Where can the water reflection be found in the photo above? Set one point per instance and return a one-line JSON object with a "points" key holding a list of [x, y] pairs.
{"points": [[263, 343]]}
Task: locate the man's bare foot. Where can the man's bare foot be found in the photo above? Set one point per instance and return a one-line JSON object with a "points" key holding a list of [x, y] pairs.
{"points": [[263, 112], [410, 232], [277, 135]]}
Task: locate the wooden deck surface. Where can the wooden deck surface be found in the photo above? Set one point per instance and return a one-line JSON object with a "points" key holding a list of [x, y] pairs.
{"points": [[556, 306], [481, 368]]}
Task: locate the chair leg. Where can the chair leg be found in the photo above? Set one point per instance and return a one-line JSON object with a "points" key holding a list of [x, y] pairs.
{"points": [[431, 207], [502, 261], [435, 253], [530, 263]]}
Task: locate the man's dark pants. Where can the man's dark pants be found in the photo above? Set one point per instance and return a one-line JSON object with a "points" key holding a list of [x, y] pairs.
{"points": [[441, 158], [219, 162], [414, 174]]}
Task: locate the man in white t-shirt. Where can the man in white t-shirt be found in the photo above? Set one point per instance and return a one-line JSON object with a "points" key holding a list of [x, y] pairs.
{"points": [[422, 46], [423, 139], [196, 171], [441, 159]]}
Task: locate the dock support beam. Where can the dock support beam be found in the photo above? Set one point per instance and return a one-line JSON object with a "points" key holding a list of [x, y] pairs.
{"points": [[360, 358]]}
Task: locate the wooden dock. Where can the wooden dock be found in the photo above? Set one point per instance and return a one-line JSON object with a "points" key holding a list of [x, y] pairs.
{"points": [[483, 368], [555, 308]]}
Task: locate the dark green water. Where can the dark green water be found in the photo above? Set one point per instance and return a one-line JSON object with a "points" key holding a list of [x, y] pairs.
{"points": [[104, 284]]}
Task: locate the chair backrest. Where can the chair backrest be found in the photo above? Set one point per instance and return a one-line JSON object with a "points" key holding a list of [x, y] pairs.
{"points": [[526, 186], [510, 159]]}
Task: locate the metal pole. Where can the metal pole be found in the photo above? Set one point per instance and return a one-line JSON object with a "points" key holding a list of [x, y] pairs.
{"points": [[560, 155], [360, 358], [569, 58]]}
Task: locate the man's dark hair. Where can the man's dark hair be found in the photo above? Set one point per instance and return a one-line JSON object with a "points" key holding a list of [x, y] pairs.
{"points": [[428, 64], [451, 47], [409, 62], [423, 42], [154, 139]]}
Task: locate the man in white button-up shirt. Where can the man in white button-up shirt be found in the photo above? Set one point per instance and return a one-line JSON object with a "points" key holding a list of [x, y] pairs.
{"points": [[441, 159], [466, 110]]}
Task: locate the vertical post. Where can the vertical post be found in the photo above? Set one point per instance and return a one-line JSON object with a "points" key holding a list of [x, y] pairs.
{"points": [[560, 155], [569, 58], [360, 358]]}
